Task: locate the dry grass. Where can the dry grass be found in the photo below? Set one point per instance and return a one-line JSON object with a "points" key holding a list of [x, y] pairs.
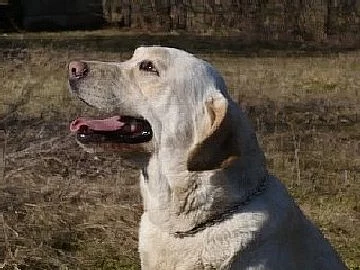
{"points": [[62, 207], [65, 209]]}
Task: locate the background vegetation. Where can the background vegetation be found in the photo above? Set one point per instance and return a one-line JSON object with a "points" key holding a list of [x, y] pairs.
{"points": [[61, 208]]}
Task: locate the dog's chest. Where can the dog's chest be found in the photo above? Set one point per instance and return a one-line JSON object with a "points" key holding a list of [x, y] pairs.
{"points": [[213, 248]]}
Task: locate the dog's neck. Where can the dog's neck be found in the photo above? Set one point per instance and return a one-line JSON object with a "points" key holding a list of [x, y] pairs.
{"points": [[178, 200], [227, 214]]}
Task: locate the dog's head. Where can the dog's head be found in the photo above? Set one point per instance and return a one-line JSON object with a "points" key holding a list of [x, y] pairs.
{"points": [[171, 100]]}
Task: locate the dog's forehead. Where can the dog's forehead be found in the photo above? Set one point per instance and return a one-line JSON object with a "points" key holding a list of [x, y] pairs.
{"points": [[163, 53]]}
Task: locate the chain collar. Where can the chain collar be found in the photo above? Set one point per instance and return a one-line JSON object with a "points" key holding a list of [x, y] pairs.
{"points": [[227, 214]]}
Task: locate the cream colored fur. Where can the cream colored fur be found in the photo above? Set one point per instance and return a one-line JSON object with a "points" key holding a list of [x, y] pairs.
{"points": [[205, 160]]}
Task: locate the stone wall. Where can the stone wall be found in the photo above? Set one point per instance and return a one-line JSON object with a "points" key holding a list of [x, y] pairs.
{"points": [[299, 20]]}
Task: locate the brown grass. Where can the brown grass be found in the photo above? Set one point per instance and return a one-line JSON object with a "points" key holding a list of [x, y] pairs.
{"points": [[61, 207]]}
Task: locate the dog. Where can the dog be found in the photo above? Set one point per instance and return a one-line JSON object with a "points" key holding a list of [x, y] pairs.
{"points": [[209, 202]]}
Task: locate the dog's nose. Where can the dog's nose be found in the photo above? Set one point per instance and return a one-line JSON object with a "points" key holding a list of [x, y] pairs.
{"points": [[78, 70]]}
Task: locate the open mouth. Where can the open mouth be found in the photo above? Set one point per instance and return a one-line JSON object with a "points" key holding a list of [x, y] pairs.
{"points": [[115, 129]]}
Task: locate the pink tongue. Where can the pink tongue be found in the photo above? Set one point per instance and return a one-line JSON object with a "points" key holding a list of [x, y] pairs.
{"points": [[108, 124]]}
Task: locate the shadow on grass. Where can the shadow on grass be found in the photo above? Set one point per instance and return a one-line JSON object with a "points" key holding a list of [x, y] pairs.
{"points": [[192, 43]]}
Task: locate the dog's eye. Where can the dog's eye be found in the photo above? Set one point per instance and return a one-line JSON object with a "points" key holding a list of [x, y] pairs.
{"points": [[147, 65]]}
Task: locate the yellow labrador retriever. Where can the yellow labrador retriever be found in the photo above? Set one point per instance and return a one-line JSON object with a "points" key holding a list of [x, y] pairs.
{"points": [[209, 202]]}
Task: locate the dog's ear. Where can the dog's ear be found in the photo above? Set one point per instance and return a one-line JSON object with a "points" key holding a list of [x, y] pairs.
{"points": [[213, 143]]}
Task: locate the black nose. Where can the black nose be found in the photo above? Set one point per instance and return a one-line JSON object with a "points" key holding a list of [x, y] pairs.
{"points": [[78, 70]]}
